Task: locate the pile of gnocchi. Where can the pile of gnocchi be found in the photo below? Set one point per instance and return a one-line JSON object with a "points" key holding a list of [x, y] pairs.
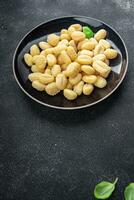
{"points": [[73, 62]]}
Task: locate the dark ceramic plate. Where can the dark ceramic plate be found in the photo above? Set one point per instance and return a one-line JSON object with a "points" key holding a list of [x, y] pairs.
{"points": [[39, 33]]}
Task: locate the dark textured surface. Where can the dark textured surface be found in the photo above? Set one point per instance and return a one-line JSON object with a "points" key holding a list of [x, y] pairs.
{"points": [[48, 154]]}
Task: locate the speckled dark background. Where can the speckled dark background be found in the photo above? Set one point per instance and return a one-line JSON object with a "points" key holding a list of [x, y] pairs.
{"points": [[50, 154]]}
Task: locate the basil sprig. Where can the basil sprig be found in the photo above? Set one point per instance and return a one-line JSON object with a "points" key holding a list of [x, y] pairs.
{"points": [[129, 192], [104, 190]]}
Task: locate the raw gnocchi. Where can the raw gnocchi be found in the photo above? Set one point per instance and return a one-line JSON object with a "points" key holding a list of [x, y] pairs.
{"points": [[70, 62]]}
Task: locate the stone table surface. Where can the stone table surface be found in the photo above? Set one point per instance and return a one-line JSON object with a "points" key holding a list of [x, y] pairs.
{"points": [[48, 154]]}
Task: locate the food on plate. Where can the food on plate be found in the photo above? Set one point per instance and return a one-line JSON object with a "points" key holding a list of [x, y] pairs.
{"points": [[76, 61]]}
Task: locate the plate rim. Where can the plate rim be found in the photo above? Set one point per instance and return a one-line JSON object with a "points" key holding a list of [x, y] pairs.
{"points": [[78, 107]]}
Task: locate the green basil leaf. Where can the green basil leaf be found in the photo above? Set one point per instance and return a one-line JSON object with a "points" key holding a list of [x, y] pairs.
{"points": [[88, 32], [129, 192], [104, 189]]}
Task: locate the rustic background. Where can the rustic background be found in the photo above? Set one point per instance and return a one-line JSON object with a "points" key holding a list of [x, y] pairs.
{"points": [[50, 154]]}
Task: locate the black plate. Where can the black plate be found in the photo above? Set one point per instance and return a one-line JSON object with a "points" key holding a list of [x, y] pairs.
{"points": [[39, 33]]}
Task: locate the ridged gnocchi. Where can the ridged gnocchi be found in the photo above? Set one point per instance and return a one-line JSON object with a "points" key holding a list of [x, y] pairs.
{"points": [[70, 62]]}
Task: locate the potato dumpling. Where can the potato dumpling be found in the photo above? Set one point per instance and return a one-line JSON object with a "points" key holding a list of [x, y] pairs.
{"points": [[34, 50], [46, 78], [72, 69], [86, 52], [44, 45], [52, 89], [87, 69], [70, 94], [81, 43], [65, 36], [51, 60], [53, 39], [100, 56], [101, 34], [71, 29], [35, 68], [111, 53], [72, 53], [34, 76], [61, 81], [88, 45], [77, 27], [89, 79], [72, 43], [38, 86], [78, 88], [76, 79], [59, 48], [84, 60], [88, 89], [40, 61], [70, 62], [28, 59], [55, 70], [100, 82], [105, 44], [78, 36], [98, 49]]}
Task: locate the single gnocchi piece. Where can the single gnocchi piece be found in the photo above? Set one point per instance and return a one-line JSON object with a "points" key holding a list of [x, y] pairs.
{"points": [[34, 68], [72, 53], [46, 78], [53, 39], [101, 34], [59, 48], [100, 56], [71, 29], [63, 42], [72, 69], [61, 81], [28, 59], [55, 70], [78, 88], [38, 86], [65, 36], [79, 46], [87, 69], [64, 31], [70, 94], [111, 53], [88, 45], [72, 43], [34, 76], [77, 27], [47, 51], [102, 68], [52, 89], [65, 57], [51, 60], [84, 60], [98, 49], [93, 40], [105, 44], [76, 79], [86, 52], [34, 50], [78, 36], [44, 45], [40, 61], [89, 79], [100, 82], [88, 89]]}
